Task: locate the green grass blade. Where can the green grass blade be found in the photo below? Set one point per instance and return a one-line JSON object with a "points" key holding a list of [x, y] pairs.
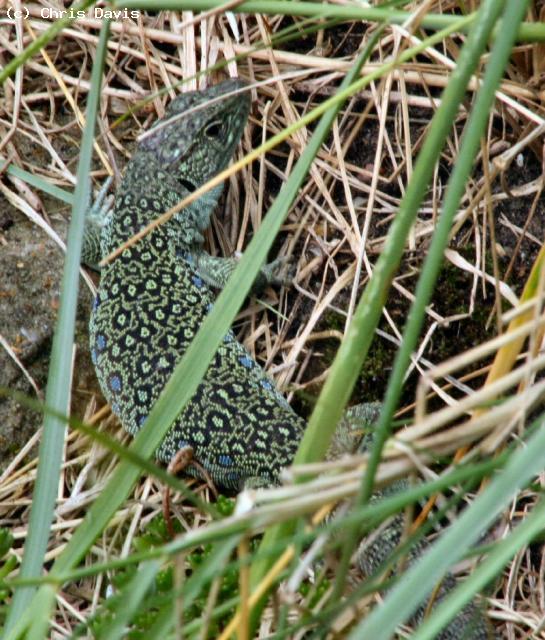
{"points": [[58, 387], [130, 599], [41, 41], [274, 534], [532, 526], [40, 183], [469, 146], [528, 32], [441, 125], [402, 600]]}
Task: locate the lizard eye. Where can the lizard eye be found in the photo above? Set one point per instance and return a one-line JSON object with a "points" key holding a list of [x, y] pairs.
{"points": [[214, 129]]}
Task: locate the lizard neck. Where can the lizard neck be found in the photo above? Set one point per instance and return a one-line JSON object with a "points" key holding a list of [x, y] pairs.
{"points": [[148, 191]]}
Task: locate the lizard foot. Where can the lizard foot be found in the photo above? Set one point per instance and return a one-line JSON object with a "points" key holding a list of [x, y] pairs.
{"points": [[182, 460], [278, 272], [96, 218]]}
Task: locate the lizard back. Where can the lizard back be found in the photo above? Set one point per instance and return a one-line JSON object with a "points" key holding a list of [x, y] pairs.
{"points": [[152, 301]]}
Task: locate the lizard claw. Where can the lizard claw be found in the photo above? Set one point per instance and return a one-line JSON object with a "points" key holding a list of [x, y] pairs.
{"points": [[180, 461], [96, 218], [101, 209]]}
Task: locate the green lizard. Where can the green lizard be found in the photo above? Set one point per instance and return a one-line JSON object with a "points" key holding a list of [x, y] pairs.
{"points": [[153, 298]]}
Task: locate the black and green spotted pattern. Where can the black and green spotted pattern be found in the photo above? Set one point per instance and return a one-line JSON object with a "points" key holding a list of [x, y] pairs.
{"points": [[152, 301]]}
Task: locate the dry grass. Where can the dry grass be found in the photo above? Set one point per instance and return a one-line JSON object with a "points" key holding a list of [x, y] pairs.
{"points": [[335, 230]]}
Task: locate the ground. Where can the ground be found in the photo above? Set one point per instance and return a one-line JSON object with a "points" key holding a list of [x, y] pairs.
{"points": [[319, 234]]}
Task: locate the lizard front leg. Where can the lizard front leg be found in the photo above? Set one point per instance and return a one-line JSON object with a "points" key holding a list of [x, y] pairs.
{"points": [[96, 218], [215, 270]]}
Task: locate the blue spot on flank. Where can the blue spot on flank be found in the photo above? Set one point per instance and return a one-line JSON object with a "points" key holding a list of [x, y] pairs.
{"points": [[141, 421], [266, 384], [115, 408], [115, 383], [182, 444], [225, 461], [228, 337], [101, 342], [94, 357], [188, 258], [209, 307], [96, 302], [197, 282], [246, 361]]}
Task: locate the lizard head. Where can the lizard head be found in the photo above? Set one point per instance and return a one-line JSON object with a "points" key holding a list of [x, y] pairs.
{"points": [[193, 142], [199, 132], [189, 145]]}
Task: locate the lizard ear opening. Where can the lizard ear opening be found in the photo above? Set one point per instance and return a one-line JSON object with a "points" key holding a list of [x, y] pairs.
{"points": [[187, 184]]}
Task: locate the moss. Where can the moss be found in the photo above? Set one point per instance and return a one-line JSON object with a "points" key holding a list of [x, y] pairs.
{"points": [[451, 298], [372, 379]]}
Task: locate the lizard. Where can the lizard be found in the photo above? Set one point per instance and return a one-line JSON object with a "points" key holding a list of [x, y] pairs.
{"points": [[152, 299]]}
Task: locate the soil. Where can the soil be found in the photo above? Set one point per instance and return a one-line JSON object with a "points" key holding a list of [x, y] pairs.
{"points": [[31, 265]]}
